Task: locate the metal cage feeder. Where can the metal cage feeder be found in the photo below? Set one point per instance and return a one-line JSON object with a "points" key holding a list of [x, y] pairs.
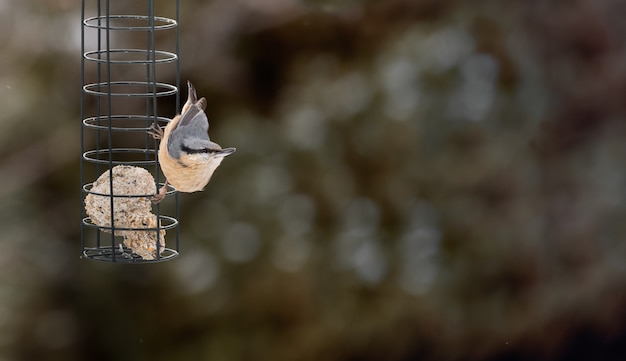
{"points": [[124, 88]]}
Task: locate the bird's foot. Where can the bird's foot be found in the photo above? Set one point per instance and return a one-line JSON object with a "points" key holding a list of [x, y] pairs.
{"points": [[160, 195], [155, 131]]}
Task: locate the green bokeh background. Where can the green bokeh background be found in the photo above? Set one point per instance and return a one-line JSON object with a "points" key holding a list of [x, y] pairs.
{"points": [[414, 180]]}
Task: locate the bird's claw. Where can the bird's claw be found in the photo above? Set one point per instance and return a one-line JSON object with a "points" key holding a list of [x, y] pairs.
{"points": [[160, 195], [123, 253], [155, 131]]}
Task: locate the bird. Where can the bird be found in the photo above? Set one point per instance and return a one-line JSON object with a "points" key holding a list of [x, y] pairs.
{"points": [[187, 156]]}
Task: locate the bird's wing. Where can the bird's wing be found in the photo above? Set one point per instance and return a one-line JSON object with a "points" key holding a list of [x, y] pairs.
{"points": [[194, 117], [191, 132]]}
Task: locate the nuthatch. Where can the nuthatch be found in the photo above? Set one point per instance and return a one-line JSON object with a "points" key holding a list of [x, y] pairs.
{"points": [[188, 157]]}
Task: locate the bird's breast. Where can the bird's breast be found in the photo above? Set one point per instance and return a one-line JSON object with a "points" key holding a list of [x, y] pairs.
{"points": [[191, 172]]}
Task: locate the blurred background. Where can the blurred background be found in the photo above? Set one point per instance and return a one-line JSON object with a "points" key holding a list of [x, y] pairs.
{"points": [[414, 180]]}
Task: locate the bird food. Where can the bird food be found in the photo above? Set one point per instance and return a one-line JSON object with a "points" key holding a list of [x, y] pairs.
{"points": [[132, 187]]}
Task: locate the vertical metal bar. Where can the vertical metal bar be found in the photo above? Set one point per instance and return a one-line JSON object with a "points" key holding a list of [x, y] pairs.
{"points": [[177, 58], [99, 99], [151, 101], [110, 130], [177, 212], [148, 120], [82, 129], [152, 67]]}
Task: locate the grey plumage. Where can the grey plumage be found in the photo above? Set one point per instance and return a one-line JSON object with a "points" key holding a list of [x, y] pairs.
{"points": [[191, 133]]}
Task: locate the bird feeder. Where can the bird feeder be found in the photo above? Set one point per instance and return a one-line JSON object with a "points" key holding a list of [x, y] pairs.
{"points": [[130, 84]]}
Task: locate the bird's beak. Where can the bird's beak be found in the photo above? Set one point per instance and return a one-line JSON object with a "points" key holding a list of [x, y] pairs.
{"points": [[226, 151]]}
